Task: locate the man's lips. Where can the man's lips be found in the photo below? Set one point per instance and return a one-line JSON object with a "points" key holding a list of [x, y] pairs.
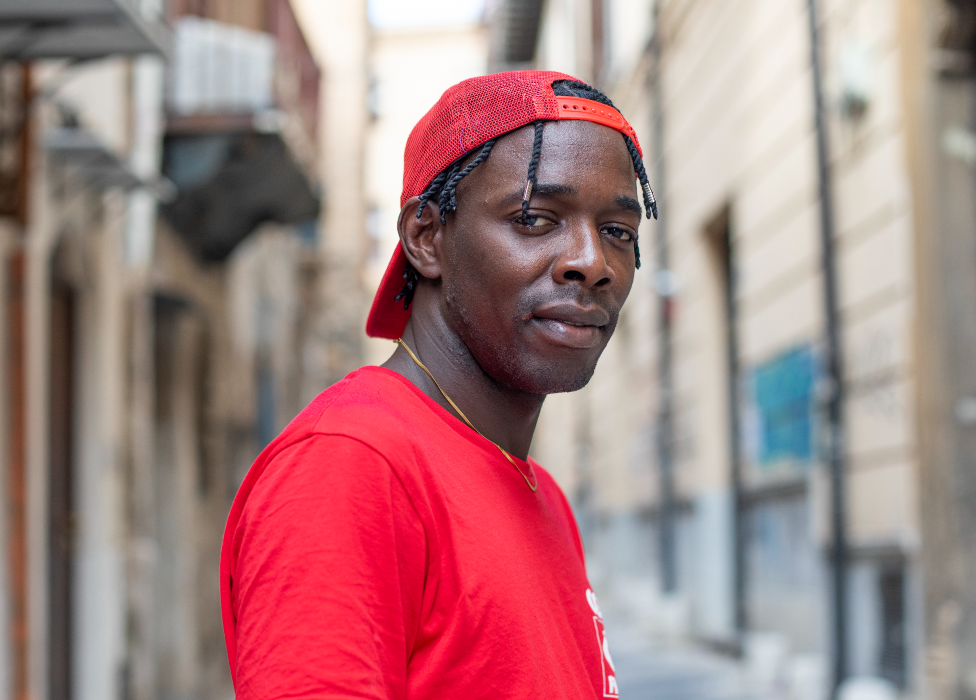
{"points": [[571, 325]]}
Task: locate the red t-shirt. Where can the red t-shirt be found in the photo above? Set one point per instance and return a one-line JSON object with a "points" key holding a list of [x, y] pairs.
{"points": [[380, 548]]}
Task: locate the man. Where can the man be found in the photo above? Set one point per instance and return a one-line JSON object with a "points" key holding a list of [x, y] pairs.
{"points": [[396, 541]]}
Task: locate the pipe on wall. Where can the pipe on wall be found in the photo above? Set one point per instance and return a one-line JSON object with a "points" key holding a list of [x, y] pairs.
{"points": [[665, 410], [833, 378]]}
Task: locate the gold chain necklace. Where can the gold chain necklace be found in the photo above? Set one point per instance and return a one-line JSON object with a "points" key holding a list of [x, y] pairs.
{"points": [[465, 418]]}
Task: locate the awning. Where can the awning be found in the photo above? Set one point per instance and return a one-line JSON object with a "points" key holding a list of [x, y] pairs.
{"points": [[229, 183], [77, 29], [518, 22], [959, 35]]}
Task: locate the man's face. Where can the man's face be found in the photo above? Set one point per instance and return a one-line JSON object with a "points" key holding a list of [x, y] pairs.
{"points": [[536, 303]]}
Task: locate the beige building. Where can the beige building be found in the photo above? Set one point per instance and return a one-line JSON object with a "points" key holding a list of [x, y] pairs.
{"points": [[339, 35], [79, 150], [148, 357], [165, 310], [698, 456]]}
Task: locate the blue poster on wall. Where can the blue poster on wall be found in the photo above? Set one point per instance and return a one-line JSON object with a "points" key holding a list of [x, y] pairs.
{"points": [[783, 410]]}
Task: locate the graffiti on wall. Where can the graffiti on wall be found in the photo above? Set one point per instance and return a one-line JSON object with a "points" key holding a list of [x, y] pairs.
{"points": [[780, 411]]}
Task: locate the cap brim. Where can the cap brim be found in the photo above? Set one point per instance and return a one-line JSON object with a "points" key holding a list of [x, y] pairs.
{"points": [[387, 318]]}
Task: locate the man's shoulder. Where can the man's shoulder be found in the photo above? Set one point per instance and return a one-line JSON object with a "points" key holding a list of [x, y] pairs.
{"points": [[358, 424], [371, 404]]}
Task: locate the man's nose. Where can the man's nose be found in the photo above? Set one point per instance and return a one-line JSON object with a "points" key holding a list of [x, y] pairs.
{"points": [[583, 258]]}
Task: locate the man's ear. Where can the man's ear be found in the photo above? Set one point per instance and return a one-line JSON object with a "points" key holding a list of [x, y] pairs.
{"points": [[421, 237]]}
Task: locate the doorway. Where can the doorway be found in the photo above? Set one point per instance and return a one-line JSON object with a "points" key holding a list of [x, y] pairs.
{"points": [[60, 493]]}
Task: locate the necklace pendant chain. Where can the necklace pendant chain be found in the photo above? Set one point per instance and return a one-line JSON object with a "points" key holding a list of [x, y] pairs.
{"points": [[465, 418]]}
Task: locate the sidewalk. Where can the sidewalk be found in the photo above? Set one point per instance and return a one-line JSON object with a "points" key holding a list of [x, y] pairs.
{"points": [[650, 671]]}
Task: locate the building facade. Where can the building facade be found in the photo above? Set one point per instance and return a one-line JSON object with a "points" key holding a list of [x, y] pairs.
{"points": [[161, 286], [700, 456]]}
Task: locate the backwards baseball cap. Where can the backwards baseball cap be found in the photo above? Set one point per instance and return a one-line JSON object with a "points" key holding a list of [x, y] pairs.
{"points": [[465, 117]]}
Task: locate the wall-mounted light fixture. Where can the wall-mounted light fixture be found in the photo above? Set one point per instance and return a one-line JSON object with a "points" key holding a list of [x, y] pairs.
{"points": [[856, 69]]}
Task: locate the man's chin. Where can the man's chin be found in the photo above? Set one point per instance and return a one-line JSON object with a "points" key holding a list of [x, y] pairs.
{"points": [[544, 379], [533, 367]]}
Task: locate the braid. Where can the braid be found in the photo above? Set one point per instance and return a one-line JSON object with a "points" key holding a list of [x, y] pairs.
{"points": [[530, 180], [444, 189], [412, 277], [574, 88], [446, 195], [650, 203], [434, 187], [452, 183]]}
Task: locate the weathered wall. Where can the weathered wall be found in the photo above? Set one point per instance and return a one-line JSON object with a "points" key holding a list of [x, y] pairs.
{"points": [[739, 134], [342, 300]]}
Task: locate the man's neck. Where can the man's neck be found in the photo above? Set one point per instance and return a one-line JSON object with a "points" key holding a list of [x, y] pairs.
{"points": [[504, 415]]}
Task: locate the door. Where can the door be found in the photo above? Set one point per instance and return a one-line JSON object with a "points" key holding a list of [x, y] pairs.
{"points": [[60, 504]]}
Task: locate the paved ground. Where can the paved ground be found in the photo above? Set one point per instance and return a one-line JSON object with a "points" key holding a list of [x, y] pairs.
{"points": [[678, 675], [648, 671]]}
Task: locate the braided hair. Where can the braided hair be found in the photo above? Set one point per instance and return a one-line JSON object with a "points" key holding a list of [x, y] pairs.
{"points": [[573, 88], [443, 188]]}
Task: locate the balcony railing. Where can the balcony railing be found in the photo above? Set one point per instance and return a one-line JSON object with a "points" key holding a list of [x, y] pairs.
{"points": [[220, 68]]}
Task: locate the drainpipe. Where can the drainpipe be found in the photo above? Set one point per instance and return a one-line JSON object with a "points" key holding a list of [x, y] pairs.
{"points": [[739, 620], [15, 317], [832, 364], [664, 285]]}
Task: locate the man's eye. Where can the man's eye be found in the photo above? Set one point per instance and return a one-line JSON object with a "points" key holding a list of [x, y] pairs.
{"points": [[621, 233], [532, 220]]}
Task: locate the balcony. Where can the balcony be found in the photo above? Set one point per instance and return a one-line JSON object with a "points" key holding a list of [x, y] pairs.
{"points": [[242, 107], [220, 69]]}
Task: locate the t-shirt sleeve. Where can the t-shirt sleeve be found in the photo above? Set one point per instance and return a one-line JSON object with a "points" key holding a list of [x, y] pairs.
{"points": [[328, 578]]}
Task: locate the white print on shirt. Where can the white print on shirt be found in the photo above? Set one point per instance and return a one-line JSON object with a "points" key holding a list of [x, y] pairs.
{"points": [[609, 673]]}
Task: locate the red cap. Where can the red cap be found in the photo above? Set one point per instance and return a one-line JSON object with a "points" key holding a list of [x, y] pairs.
{"points": [[467, 115]]}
